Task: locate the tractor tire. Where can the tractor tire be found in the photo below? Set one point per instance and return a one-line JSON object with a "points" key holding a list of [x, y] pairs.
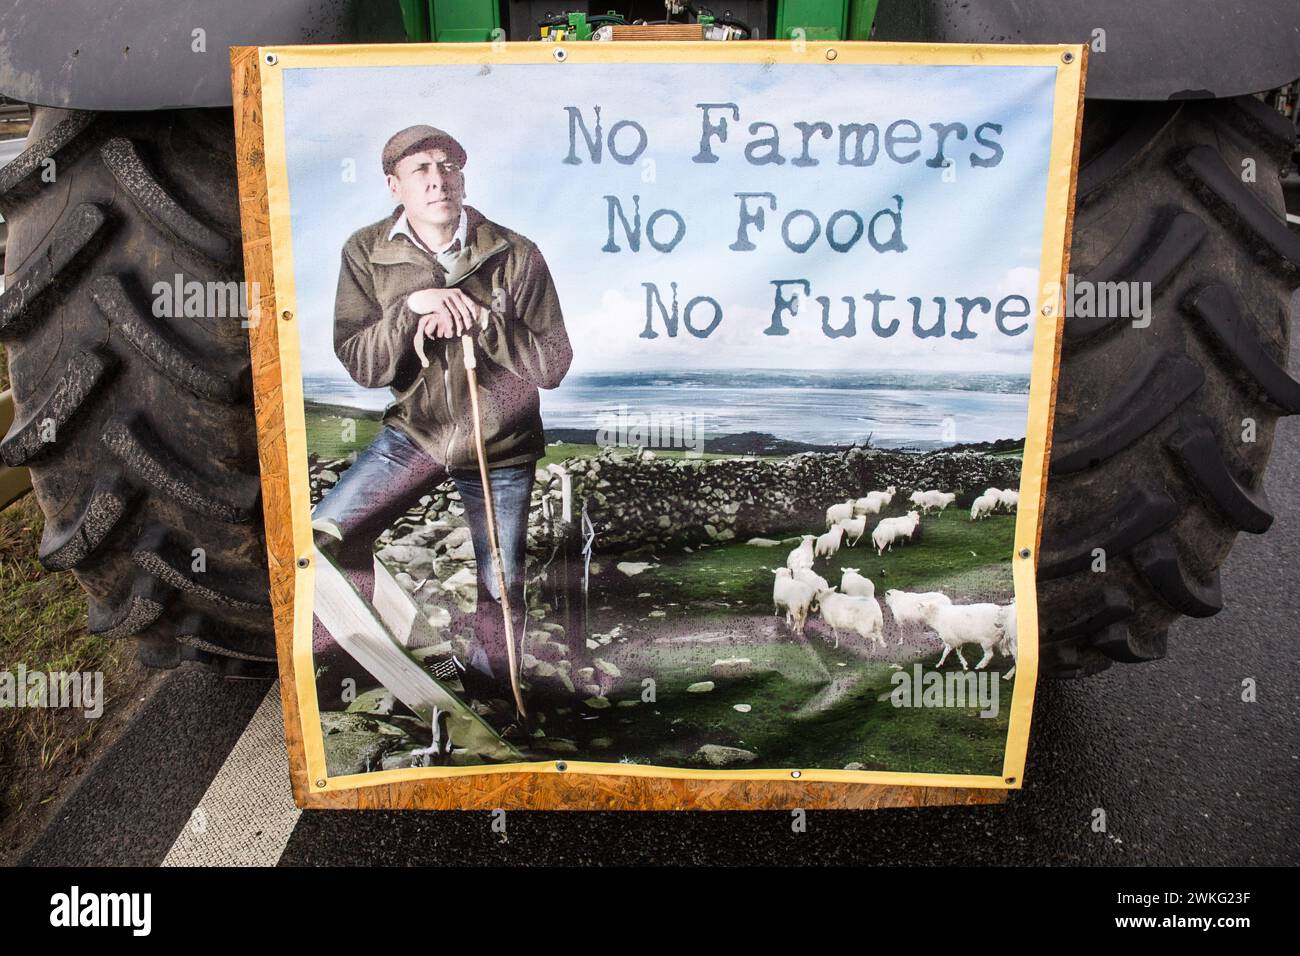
{"points": [[1163, 432], [136, 424]]}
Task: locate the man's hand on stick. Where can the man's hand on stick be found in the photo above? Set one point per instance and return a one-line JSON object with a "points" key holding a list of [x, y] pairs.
{"points": [[444, 314], [452, 301]]}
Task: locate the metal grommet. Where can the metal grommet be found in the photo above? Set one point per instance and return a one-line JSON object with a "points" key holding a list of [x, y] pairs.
{"points": [[272, 59], [560, 54], [831, 54], [561, 766], [1024, 552], [1067, 57], [303, 562], [796, 774]]}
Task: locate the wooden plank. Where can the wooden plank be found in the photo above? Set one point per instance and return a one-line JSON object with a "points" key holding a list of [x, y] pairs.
{"points": [[400, 614], [570, 791], [356, 628], [657, 31], [268, 404]]}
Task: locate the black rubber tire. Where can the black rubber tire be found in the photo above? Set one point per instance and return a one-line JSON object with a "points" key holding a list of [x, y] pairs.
{"points": [[1149, 457], [138, 430]]}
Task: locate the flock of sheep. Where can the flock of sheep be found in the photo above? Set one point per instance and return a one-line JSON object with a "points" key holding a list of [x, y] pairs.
{"points": [[800, 590], [993, 500]]}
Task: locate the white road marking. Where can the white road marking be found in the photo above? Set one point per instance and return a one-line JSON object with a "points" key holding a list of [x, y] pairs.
{"points": [[248, 814]]}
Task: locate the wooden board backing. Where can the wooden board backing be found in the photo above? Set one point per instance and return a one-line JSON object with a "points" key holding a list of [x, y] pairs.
{"points": [[658, 31], [542, 790]]}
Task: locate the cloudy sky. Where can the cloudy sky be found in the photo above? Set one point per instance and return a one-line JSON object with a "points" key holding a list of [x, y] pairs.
{"points": [[979, 235]]}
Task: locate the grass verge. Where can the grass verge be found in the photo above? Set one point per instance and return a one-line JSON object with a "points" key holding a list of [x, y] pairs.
{"points": [[43, 751]]}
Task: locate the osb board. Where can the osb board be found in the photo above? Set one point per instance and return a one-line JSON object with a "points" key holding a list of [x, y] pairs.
{"points": [[550, 786], [658, 31]]}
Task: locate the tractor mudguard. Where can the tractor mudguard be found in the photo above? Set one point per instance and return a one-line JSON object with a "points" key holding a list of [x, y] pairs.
{"points": [[1153, 50], [150, 54]]}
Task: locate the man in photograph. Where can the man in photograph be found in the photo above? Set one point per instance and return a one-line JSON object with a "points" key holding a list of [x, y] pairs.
{"points": [[410, 286]]}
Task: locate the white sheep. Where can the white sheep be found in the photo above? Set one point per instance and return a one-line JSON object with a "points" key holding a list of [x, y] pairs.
{"points": [[1010, 646], [917, 499], [853, 583], [892, 530], [812, 579], [782, 574], [835, 512], [858, 614], [828, 543], [795, 596], [907, 525], [906, 607], [958, 624], [854, 529], [934, 499], [883, 536], [1007, 498], [875, 502], [985, 504], [802, 556]]}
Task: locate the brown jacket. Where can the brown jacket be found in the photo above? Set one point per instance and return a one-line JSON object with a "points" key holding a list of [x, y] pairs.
{"points": [[523, 348]]}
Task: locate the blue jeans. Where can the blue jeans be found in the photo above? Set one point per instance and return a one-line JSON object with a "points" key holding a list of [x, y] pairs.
{"points": [[383, 484]]}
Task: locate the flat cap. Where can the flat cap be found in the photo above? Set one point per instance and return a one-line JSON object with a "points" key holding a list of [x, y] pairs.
{"points": [[413, 139]]}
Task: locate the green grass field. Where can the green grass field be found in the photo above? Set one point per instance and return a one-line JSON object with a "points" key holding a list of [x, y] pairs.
{"points": [[950, 551], [332, 434], [810, 704]]}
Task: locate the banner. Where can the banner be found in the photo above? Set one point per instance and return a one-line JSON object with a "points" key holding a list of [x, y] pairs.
{"points": [[754, 345]]}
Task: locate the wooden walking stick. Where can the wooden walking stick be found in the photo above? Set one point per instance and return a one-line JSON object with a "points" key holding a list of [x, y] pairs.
{"points": [[467, 347]]}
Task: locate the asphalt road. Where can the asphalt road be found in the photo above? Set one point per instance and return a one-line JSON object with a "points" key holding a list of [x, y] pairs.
{"points": [[1185, 771]]}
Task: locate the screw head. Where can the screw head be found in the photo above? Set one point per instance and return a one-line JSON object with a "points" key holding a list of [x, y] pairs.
{"points": [[303, 562], [561, 766], [321, 782], [796, 774], [560, 54], [1011, 779], [832, 54], [1067, 57], [1024, 552], [1047, 310], [272, 59], [286, 315]]}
